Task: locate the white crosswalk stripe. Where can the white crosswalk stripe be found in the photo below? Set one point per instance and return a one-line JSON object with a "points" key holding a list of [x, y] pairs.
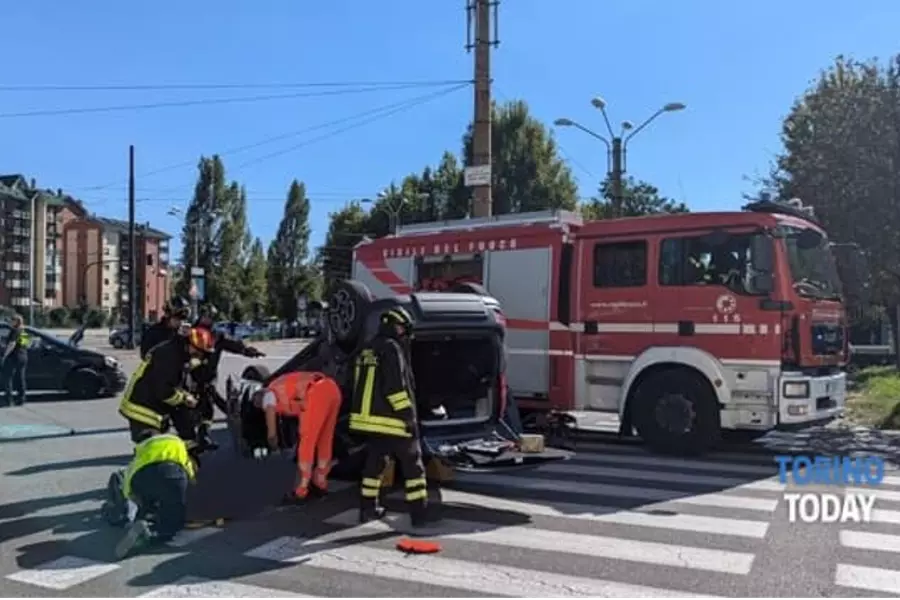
{"points": [[622, 524], [870, 554]]}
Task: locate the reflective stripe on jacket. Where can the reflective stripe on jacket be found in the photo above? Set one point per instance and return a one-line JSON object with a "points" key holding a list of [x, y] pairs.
{"points": [[157, 449], [383, 402], [290, 391]]}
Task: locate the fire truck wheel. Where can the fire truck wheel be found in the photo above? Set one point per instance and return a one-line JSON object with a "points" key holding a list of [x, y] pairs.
{"points": [[347, 303], [675, 412]]}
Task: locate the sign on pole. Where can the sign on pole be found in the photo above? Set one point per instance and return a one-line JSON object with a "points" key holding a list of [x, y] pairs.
{"points": [[477, 176]]}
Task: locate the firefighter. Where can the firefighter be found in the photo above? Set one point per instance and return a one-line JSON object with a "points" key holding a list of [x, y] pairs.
{"points": [[315, 400], [155, 397], [383, 410], [206, 375], [175, 313], [156, 481], [14, 361]]}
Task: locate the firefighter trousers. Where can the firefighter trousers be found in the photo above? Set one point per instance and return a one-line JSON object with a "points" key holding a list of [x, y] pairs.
{"points": [[407, 454], [179, 417], [317, 423]]}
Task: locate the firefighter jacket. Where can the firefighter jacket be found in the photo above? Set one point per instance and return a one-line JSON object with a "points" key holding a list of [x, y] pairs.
{"points": [[383, 401], [208, 372], [156, 387], [17, 346], [156, 334], [157, 449]]}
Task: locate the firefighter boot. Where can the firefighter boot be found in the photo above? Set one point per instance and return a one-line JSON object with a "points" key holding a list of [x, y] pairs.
{"points": [[370, 510], [420, 514], [205, 440]]}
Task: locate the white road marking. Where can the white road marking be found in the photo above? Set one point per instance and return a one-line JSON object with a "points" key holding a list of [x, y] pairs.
{"points": [[478, 577], [63, 573], [566, 488], [189, 536], [679, 463], [669, 476], [881, 515], [863, 540], [880, 493], [617, 516], [190, 588], [868, 578], [529, 538]]}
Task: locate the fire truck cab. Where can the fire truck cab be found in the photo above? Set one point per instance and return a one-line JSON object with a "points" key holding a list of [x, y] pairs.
{"points": [[676, 326]]}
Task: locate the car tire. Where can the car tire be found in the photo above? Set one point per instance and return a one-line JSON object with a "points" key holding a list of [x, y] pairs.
{"points": [[676, 412], [347, 304], [83, 384], [117, 343], [258, 373]]}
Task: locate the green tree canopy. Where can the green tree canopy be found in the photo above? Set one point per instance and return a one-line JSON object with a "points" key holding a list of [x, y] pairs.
{"points": [[289, 272], [638, 198], [255, 284]]}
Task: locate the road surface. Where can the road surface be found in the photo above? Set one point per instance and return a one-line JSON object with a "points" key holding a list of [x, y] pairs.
{"points": [[615, 521]]}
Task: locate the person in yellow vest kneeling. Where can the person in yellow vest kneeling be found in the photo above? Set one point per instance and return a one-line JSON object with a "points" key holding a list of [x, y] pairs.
{"points": [[156, 481]]}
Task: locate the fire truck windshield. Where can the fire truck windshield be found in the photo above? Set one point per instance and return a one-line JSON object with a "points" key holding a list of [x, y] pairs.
{"points": [[812, 264]]}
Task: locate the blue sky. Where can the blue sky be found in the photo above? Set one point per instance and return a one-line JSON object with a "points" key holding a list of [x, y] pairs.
{"points": [[737, 66]]}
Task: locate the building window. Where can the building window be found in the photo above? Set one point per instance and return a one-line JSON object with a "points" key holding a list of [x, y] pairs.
{"points": [[106, 282], [106, 267], [106, 297], [106, 250], [690, 261], [622, 264]]}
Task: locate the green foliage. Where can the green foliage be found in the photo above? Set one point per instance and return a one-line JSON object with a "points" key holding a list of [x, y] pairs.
{"points": [[877, 403], [638, 198], [255, 285], [841, 151], [58, 317], [289, 272]]}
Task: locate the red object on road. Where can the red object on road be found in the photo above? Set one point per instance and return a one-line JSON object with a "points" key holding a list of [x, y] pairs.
{"points": [[418, 546]]}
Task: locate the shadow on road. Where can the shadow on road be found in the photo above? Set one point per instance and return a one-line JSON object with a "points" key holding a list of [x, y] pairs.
{"points": [[97, 461]]}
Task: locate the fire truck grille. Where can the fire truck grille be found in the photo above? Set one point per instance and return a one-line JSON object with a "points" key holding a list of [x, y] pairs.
{"points": [[827, 339]]}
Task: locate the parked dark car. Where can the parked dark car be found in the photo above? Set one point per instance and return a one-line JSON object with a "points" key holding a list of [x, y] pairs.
{"points": [[118, 338], [55, 365], [458, 362]]}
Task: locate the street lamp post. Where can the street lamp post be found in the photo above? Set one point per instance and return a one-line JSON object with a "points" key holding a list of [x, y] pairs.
{"points": [[393, 208], [617, 145]]}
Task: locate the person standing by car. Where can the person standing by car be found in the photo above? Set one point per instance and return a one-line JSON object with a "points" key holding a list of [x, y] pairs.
{"points": [[315, 400], [383, 410], [175, 313], [207, 374], [155, 395], [15, 361], [156, 481]]}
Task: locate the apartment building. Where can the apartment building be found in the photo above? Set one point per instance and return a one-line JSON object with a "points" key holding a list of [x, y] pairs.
{"points": [[96, 271], [31, 222]]}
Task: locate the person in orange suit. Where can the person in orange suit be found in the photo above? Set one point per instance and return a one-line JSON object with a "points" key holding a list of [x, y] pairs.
{"points": [[315, 400]]}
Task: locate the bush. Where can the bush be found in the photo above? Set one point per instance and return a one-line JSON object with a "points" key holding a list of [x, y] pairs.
{"points": [[95, 318], [58, 317], [877, 401]]}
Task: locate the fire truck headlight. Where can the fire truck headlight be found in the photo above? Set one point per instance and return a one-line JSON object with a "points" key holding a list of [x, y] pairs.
{"points": [[798, 410], [795, 389]]}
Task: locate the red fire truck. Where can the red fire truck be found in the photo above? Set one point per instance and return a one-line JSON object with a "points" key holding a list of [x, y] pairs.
{"points": [[676, 326]]}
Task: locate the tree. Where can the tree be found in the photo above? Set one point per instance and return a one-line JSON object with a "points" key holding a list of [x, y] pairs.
{"points": [[214, 234], [638, 198], [842, 157], [289, 275], [255, 286], [346, 229], [528, 174]]}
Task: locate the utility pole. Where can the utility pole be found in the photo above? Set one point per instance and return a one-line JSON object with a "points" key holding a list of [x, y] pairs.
{"points": [[478, 174], [132, 253]]}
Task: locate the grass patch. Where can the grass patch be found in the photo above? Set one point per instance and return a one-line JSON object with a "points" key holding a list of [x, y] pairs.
{"points": [[876, 399]]}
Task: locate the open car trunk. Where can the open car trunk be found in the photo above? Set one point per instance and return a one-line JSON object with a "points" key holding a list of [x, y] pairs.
{"points": [[456, 379]]}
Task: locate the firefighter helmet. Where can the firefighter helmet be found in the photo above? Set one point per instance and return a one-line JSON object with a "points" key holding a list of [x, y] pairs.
{"points": [[201, 339]]}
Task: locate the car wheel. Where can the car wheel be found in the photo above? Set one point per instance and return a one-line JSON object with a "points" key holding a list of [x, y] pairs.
{"points": [[347, 305], [84, 384], [259, 373], [117, 343]]}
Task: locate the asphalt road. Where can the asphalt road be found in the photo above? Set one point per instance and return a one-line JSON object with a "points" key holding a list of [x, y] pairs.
{"points": [[614, 521]]}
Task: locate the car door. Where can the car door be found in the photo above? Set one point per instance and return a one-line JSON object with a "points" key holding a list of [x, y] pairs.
{"points": [[48, 364]]}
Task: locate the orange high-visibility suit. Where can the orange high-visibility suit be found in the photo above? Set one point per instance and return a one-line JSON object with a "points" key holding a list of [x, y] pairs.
{"points": [[315, 400]]}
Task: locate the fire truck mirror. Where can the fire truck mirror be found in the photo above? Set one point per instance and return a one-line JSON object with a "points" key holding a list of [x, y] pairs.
{"points": [[761, 252]]}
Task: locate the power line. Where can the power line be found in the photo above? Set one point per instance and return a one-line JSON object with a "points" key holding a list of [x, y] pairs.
{"points": [[204, 102], [269, 140], [221, 86]]}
